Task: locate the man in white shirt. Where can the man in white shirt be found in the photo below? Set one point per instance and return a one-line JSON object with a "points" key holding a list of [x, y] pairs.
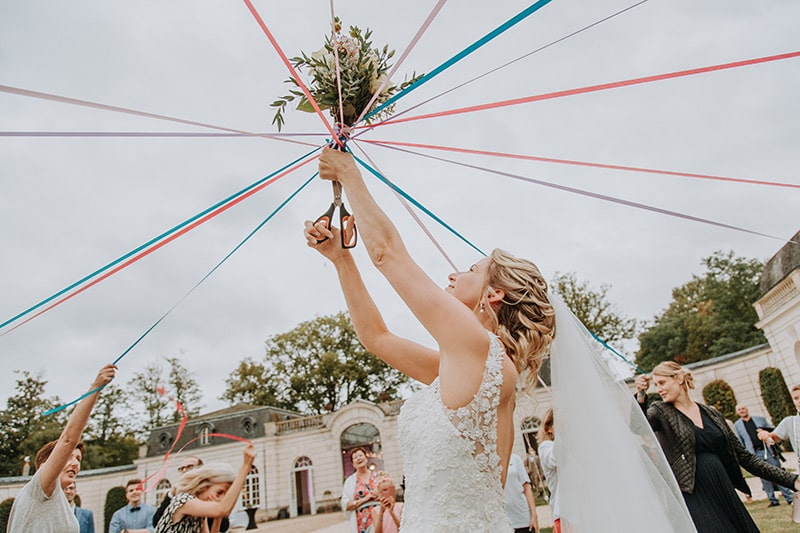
{"points": [[520, 503]]}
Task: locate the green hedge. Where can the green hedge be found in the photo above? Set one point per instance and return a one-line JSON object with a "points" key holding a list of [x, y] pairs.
{"points": [[5, 510], [115, 500], [775, 394], [719, 394]]}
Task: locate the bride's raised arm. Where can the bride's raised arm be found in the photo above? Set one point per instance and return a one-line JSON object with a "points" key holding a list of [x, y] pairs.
{"points": [[453, 325]]}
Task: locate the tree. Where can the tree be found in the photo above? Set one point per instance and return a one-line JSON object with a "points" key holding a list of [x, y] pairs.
{"points": [[318, 366], [157, 393], [594, 311], [109, 436], [23, 429], [593, 308], [183, 388], [109, 417], [145, 388], [250, 383], [709, 316]]}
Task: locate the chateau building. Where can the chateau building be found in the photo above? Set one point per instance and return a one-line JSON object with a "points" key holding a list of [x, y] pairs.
{"points": [[302, 461]]}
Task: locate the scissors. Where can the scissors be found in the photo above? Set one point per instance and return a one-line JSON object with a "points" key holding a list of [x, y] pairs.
{"points": [[347, 223]]}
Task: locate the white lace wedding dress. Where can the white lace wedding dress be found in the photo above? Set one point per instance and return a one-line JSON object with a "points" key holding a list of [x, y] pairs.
{"points": [[452, 469]]}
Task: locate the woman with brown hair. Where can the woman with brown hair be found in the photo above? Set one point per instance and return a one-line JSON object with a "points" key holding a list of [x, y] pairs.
{"points": [[704, 453], [359, 493]]}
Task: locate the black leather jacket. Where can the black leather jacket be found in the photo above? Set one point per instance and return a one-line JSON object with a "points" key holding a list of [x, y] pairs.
{"points": [[675, 432]]}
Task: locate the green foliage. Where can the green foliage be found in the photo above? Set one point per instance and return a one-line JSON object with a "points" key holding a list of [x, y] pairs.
{"points": [[719, 394], [5, 510], [148, 387], [183, 388], [317, 366], [23, 429], [593, 308], [115, 499], [360, 73], [775, 394], [110, 416], [709, 316], [144, 387], [118, 450], [249, 384]]}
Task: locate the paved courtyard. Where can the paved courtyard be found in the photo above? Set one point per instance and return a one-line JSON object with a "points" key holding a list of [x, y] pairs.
{"points": [[336, 523]]}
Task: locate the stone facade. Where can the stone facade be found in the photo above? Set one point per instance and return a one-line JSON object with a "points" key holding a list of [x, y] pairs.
{"points": [[302, 460]]}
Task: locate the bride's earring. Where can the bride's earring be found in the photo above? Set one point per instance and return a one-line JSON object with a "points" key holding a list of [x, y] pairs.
{"points": [[483, 307]]}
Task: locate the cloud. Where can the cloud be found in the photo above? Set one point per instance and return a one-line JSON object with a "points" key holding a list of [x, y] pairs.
{"points": [[69, 206]]}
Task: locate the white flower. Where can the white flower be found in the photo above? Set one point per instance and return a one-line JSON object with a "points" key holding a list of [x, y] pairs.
{"points": [[324, 56], [376, 83]]}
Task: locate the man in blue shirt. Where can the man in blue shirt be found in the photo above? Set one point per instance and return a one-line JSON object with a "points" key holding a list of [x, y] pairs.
{"points": [[136, 517], [85, 516]]}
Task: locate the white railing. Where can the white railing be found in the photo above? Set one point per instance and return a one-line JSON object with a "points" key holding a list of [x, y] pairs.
{"points": [[300, 424]]}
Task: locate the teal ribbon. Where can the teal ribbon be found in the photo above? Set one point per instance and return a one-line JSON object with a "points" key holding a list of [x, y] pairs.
{"points": [[464, 53], [424, 209], [154, 240], [196, 285]]}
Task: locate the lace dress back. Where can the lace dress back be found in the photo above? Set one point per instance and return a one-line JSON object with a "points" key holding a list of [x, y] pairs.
{"points": [[450, 460]]}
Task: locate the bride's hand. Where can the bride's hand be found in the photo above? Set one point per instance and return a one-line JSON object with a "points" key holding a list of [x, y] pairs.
{"points": [[338, 166], [330, 248]]}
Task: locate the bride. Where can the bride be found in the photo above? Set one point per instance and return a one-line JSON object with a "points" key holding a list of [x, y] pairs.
{"points": [[491, 323]]}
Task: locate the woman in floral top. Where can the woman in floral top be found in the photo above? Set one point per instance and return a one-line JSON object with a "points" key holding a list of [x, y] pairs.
{"points": [[359, 493], [207, 491]]}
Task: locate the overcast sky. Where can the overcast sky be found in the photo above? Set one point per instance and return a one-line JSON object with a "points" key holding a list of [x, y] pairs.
{"points": [[71, 205]]}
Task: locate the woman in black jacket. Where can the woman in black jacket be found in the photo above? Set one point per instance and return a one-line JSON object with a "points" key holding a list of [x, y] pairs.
{"points": [[703, 453]]}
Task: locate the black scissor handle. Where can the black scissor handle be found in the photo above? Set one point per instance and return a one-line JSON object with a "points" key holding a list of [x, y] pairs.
{"points": [[326, 217]]}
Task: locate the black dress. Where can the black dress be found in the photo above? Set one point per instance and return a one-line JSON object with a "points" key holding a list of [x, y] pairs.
{"points": [[715, 507]]}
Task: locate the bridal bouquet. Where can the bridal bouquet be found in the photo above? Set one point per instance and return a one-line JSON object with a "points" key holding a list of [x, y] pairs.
{"points": [[362, 69]]}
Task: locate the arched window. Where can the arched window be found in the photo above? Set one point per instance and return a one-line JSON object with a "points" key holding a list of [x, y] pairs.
{"points": [[205, 440], [529, 428], [362, 435], [303, 462], [251, 492]]}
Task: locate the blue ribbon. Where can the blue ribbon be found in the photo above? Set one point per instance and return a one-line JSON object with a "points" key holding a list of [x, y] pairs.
{"points": [[424, 209], [464, 53], [153, 241], [196, 285]]}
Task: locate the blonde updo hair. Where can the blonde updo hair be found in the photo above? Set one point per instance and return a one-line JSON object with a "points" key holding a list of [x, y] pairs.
{"points": [[200, 478], [525, 321], [671, 369]]}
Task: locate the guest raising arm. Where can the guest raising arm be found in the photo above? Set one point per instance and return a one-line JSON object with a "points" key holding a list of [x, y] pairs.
{"points": [[210, 490], [41, 505]]}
